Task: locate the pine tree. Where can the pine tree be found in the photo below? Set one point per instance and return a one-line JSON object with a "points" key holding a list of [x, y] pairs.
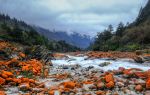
{"points": [[120, 29]]}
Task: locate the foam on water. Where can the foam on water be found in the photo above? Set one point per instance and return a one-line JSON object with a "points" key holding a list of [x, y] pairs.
{"points": [[84, 62]]}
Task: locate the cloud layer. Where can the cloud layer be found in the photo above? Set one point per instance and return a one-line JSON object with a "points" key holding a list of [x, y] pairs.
{"points": [[82, 16]]}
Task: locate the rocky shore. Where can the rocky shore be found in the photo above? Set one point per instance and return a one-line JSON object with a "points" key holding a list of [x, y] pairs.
{"points": [[36, 71]]}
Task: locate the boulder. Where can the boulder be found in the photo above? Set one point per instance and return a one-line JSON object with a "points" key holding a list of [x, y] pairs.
{"points": [[139, 59], [138, 88]]}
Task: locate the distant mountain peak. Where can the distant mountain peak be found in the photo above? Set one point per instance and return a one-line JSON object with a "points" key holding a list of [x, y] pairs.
{"points": [[74, 38]]}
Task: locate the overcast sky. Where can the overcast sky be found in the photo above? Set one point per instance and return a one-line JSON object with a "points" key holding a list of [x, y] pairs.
{"points": [[82, 16]]}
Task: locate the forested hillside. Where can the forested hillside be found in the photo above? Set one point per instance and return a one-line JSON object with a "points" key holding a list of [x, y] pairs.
{"points": [[20, 32], [128, 37]]}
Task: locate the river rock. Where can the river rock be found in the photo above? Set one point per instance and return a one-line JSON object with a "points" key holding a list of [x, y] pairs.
{"points": [[138, 88], [104, 64], [147, 93], [138, 59], [100, 85], [120, 84]]}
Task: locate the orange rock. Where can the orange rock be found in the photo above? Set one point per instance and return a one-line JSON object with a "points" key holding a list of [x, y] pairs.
{"points": [[138, 88], [100, 93], [127, 72], [148, 84], [22, 55], [66, 89], [28, 94], [26, 68], [148, 74], [69, 84], [7, 74], [17, 80], [2, 93], [141, 74], [2, 81], [33, 65], [4, 76], [23, 80], [111, 84], [88, 82], [79, 85], [9, 79], [32, 80], [13, 60], [51, 92], [109, 78]]}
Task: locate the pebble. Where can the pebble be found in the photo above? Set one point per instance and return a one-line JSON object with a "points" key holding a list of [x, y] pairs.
{"points": [[120, 84]]}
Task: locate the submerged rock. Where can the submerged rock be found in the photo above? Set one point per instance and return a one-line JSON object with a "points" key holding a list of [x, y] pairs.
{"points": [[104, 64], [139, 59]]}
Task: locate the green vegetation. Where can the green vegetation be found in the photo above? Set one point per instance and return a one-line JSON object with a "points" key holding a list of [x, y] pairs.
{"points": [[128, 37], [20, 32], [27, 74]]}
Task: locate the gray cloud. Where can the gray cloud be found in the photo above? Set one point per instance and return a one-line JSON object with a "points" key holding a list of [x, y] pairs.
{"points": [[83, 16]]}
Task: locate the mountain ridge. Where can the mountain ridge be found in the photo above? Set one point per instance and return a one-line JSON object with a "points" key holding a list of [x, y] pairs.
{"points": [[14, 30], [82, 41], [130, 37]]}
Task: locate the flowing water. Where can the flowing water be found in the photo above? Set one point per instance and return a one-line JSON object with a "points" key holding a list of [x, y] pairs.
{"points": [[83, 61]]}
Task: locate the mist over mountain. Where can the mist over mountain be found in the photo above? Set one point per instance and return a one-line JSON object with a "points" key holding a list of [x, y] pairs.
{"points": [[76, 39]]}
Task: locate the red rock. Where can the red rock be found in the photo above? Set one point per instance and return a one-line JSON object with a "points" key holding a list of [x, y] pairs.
{"points": [[2, 81], [148, 74], [109, 78], [111, 84], [17, 80], [87, 82], [69, 84], [100, 93], [88, 94], [22, 55], [138, 88], [141, 74], [2, 93], [128, 72], [51, 92], [148, 84], [8, 74]]}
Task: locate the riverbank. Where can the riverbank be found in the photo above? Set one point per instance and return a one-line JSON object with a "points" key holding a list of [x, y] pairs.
{"points": [[78, 73]]}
